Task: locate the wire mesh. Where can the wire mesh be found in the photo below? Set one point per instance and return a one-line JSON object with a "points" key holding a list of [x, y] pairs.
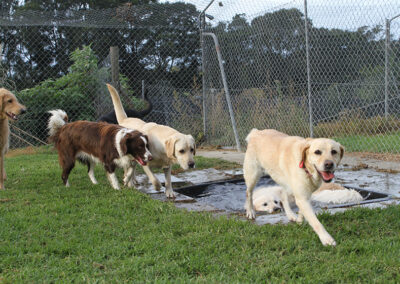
{"points": [[264, 51], [60, 59]]}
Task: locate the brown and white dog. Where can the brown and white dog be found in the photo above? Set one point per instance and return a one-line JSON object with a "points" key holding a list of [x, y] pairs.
{"points": [[298, 165], [10, 108], [97, 142]]}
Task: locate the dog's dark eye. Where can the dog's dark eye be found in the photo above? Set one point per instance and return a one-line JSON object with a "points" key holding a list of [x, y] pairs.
{"points": [[10, 101], [182, 151], [191, 150], [318, 152], [265, 204], [334, 152]]}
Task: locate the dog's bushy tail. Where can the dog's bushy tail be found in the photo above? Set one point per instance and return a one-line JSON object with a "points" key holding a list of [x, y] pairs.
{"points": [[248, 136], [57, 120], [119, 109]]}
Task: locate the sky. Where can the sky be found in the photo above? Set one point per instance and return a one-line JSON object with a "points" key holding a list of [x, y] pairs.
{"points": [[341, 14]]}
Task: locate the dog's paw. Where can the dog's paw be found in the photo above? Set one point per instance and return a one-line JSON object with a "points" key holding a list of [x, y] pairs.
{"points": [[251, 214], [299, 219], [292, 217], [157, 185], [131, 183], [170, 193], [327, 240]]}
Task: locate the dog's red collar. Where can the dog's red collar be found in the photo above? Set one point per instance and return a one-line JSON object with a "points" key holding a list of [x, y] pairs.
{"points": [[302, 166]]}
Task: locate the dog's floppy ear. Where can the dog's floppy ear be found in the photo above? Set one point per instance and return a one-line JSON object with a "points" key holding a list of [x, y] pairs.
{"points": [[303, 151], [341, 151], [170, 147], [2, 95], [193, 143], [124, 142], [124, 147]]}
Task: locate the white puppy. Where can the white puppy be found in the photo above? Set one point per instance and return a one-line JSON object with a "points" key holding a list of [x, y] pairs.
{"points": [[269, 198]]}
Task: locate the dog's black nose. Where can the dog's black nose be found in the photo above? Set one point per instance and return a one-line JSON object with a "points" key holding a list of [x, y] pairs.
{"points": [[23, 110], [277, 209], [191, 165], [150, 158], [328, 165]]}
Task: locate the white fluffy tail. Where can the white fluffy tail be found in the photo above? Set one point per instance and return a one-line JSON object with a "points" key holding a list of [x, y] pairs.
{"points": [[248, 136], [57, 119], [119, 109]]}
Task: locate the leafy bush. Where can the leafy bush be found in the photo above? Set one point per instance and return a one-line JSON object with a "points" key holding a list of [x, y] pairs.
{"points": [[79, 93]]}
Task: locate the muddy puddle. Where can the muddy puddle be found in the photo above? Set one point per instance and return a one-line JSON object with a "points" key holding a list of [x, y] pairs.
{"points": [[230, 197]]}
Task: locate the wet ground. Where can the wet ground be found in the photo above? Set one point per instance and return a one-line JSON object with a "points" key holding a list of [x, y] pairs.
{"points": [[228, 198]]}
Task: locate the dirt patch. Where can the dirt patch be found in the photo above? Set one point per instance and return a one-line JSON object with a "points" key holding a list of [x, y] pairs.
{"points": [[21, 151], [357, 167], [377, 156], [210, 147], [390, 171]]}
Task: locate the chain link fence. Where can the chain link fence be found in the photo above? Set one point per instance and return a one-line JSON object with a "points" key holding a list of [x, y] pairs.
{"points": [[343, 92], [346, 86], [62, 60]]}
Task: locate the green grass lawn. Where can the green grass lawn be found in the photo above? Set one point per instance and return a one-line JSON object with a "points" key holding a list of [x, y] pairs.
{"points": [[87, 233], [387, 143]]}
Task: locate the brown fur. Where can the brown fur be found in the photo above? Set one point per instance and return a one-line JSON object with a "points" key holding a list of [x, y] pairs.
{"points": [[10, 108], [96, 139]]}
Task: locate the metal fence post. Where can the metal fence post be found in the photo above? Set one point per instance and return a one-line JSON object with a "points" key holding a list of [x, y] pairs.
{"points": [[114, 58], [387, 47], [387, 42], [227, 95], [308, 70], [202, 23]]}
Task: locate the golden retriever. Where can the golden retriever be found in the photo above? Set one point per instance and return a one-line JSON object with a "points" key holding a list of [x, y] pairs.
{"points": [[10, 108], [167, 145], [298, 165]]}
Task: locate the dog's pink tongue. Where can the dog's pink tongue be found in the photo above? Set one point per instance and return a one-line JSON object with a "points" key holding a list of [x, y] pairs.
{"points": [[328, 175], [143, 163]]}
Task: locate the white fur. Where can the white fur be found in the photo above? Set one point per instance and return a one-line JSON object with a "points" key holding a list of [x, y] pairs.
{"points": [[337, 196], [124, 162], [113, 180], [264, 197], [120, 135], [147, 154], [56, 121]]}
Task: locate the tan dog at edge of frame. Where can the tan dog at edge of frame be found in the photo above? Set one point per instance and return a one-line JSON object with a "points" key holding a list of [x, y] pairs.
{"points": [[10, 108]]}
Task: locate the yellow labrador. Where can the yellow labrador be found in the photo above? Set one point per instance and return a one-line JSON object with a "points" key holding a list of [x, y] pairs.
{"points": [[298, 165], [167, 145]]}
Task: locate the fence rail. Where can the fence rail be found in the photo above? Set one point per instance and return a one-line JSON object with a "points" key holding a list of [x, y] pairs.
{"points": [[306, 69]]}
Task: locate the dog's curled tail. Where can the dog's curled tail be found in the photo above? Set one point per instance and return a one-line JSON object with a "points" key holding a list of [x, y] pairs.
{"points": [[57, 119], [251, 132], [119, 110]]}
